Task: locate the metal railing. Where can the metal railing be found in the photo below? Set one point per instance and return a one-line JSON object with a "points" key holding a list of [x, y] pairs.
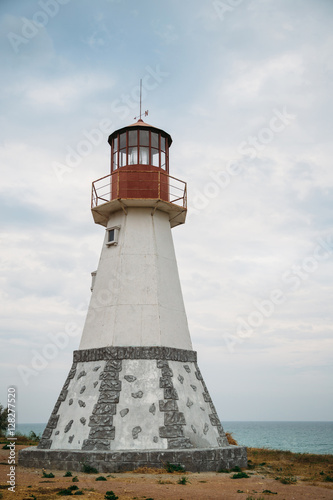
{"points": [[139, 184]]}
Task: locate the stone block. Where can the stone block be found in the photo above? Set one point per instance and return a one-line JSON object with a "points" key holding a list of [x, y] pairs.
{"points": [[130, 378], [222, 441], [110, 352], [47, 433], [56, 407], [171, 431], [100, 420], [174, 417], [45, 444], [133, 456], [161, 363], [110, 385], [66, 384], [109, 375], [179, 443], [165, 382], [170, 393], [214, 420], [220, 429], [105, 409], [53, 421], [72, 371], [170, 405], [102, 432], [113, 365], [109, 397], [95, 444], [166, 371], [206, 397]]}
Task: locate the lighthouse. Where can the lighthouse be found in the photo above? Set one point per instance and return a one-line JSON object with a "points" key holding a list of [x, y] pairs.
{"points": [[135, 395]]}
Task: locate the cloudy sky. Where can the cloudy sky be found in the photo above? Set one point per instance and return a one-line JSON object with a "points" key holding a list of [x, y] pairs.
{"points": [[244, 87]]}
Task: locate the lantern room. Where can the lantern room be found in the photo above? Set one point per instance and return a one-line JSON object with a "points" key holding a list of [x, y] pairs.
{"points": [[140, 144], [139, 175]]}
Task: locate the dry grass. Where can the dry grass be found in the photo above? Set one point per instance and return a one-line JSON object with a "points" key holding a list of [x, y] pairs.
{"points": [[149, 470], [289, 467], [230, 439]]}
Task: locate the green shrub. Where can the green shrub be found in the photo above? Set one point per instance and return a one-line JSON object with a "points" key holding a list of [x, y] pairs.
{"points": [[287, 480], [183, 480], [109, 495], [68, 474], [69, 491], [239, 475], [174, 467], [88, 469], [48, 475], [100, 478]]}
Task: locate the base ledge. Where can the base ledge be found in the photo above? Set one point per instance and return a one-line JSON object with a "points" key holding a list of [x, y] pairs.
{"points": [[193, 460]]}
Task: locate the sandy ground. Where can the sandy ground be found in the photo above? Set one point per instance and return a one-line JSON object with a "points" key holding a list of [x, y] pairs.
{"points": [[204, 486]]}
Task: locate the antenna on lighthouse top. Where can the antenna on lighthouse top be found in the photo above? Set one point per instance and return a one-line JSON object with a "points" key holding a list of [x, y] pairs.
{"points": [[146, 112]]}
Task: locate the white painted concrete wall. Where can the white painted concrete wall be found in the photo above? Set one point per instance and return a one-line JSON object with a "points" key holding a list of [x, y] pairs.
{"points": [[81, 389], [137, 298]]}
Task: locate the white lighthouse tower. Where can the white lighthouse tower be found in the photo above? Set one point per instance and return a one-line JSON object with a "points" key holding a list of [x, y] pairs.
{"points": [[135, 395]]}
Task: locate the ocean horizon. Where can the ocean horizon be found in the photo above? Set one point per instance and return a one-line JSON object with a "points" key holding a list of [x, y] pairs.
{"points": [[298, 437]]}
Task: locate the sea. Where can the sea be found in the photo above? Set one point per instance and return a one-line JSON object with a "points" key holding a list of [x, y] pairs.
{"points": [[298, 437]]}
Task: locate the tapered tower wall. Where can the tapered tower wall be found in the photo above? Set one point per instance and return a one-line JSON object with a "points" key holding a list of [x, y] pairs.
{"points": [[136, 298]]}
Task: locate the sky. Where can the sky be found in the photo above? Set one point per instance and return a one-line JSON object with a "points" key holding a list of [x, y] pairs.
{"points": [[244, 87]]}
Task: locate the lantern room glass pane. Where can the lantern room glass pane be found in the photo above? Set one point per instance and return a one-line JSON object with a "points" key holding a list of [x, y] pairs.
{"points": [[133, 138], [115, 144], [122, 140], [155, 157], [163, 165], [162, 143], [154, 140], [144, 156], [122, 158], [115, 164], [144, 138], [132, 156]]}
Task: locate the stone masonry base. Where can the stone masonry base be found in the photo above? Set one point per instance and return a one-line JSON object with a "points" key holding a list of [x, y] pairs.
{"points": [[195, 460]]}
